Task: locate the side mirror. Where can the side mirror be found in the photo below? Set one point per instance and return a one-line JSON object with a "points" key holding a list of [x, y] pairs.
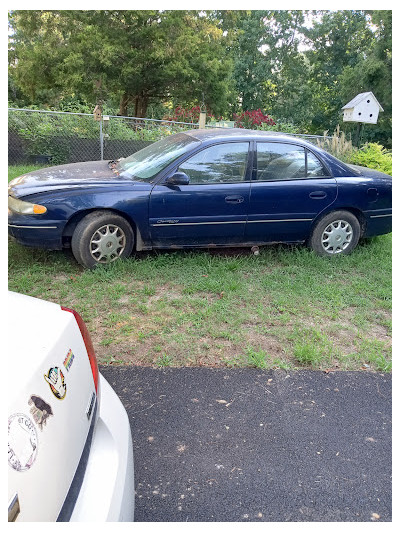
{"points": [[179, 178]]}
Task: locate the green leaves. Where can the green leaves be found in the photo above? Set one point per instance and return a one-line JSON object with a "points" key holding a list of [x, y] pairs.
{"points": [[373, 155], [141, 54], [299, 66]]}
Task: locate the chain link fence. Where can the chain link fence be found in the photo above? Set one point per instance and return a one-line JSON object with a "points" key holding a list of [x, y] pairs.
{"points": [[58, 137], [50, 137]]}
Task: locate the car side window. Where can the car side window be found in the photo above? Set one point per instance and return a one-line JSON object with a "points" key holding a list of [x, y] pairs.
{"points": [[314, 166], [280, 161], [221, 163]]}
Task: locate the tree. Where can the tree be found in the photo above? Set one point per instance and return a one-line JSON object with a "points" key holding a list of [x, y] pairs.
{"points": [[239, 60], [336, 42], [137, 56], [373, 72], [260, 42]]}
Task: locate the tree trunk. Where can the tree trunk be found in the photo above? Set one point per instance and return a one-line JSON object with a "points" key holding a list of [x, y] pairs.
{"points": [[123, 105], [141, 103]]}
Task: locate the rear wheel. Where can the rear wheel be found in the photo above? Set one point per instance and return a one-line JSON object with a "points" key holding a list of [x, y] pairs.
{"points": [[336, 234], [102, 237]]}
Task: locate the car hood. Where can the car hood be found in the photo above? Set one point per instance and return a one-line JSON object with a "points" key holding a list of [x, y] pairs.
{"points": [[90, 173]]}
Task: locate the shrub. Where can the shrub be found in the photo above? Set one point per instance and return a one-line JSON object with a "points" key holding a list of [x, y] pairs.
{"points": [[337, 145], [53, 134], [373, 155], [192, 115], [281, 126], [252, 120]]}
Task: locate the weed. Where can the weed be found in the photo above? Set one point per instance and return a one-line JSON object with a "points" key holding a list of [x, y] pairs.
{"points": [[257, 359], [307, 353], [311, 347], [279, 363], [164, 360], [375, 353], [149, 291]]}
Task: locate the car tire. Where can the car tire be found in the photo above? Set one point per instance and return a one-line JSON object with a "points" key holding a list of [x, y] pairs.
{"points": [[102, 237], [335, 234]]}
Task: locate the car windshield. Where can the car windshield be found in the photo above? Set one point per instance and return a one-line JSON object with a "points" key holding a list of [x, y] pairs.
{"points": [[145, 164]]}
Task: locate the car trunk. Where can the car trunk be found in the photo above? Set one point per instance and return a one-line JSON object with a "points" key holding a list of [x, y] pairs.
{"points": [[52, 402]]}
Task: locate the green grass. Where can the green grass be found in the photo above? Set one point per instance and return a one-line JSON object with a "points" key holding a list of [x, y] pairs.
{"points": [[285, 308], [17, 170]]}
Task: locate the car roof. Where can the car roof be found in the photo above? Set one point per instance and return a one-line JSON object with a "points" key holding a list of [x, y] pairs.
{"points": [[210, 134]]}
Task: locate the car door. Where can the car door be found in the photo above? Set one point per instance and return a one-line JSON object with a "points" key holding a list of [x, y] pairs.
{"points": [[211, 209], [290, 187]]}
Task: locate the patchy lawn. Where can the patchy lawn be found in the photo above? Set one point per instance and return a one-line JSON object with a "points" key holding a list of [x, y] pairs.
{"points": [[285, 308]]}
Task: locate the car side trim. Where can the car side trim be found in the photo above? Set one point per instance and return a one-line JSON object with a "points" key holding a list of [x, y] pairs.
{"points": [[281, 220], [199, 223], [232, 222], [380, 216], [31, 227]]}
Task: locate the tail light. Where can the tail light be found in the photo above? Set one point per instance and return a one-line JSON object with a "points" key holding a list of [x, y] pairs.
{"points": [[88, 344]]}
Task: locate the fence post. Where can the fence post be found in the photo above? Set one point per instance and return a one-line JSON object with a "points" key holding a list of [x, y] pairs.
{"points": [[101, 139], [202, 120]]}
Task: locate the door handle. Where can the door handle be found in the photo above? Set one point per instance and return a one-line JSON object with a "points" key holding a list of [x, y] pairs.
{"points": [[235, 199], [317, 195]]}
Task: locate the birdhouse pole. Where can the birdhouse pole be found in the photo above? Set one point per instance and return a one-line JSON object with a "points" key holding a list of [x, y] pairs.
{"points": [[357, 136]]}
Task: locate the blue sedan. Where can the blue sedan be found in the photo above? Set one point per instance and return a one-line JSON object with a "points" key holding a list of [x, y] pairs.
{"points": [[201, 188]]}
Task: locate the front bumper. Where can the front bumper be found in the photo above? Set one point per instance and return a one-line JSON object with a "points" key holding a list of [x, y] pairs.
{"points": [[107, 493], [36, 231], [45, 235]]}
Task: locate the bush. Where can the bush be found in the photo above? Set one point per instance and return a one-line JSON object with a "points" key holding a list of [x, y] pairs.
{"points": [[54, 134], [192, 115], [373, 155], [337, 145], [252, 120], [281, 126]]}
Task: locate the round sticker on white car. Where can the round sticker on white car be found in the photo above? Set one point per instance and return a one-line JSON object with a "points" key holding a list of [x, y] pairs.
{"points": [[22, 442]]}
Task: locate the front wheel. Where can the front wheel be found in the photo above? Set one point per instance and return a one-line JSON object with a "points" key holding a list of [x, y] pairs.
{"points": [[336, 234], [101, 237]]}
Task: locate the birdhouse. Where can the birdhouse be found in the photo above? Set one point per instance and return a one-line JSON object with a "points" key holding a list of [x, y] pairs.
{"points": [[363, 108]]}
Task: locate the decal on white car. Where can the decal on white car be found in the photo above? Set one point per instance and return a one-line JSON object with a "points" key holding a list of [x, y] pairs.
{"points": [[22, 442], [55, 378], [90, 405], [40, 410], [69, 359]]}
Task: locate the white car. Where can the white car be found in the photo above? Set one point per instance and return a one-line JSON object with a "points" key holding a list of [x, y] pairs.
{"points": [[70, 454]]}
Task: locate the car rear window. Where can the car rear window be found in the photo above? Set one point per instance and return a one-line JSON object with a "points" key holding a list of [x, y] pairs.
{"points": [[285, 161]]}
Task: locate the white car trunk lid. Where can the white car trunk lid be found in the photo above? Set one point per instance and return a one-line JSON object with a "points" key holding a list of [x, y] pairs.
{"points": [[51, 407]]}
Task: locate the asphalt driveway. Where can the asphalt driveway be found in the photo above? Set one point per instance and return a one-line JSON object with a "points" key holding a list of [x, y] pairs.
{"points": [[244, 445]]}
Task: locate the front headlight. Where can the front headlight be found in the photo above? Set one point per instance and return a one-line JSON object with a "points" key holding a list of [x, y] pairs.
{"points": [[25, 208]]}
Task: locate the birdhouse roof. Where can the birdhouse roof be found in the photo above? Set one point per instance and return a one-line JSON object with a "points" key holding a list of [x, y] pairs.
{"points": [[359, 98]]}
